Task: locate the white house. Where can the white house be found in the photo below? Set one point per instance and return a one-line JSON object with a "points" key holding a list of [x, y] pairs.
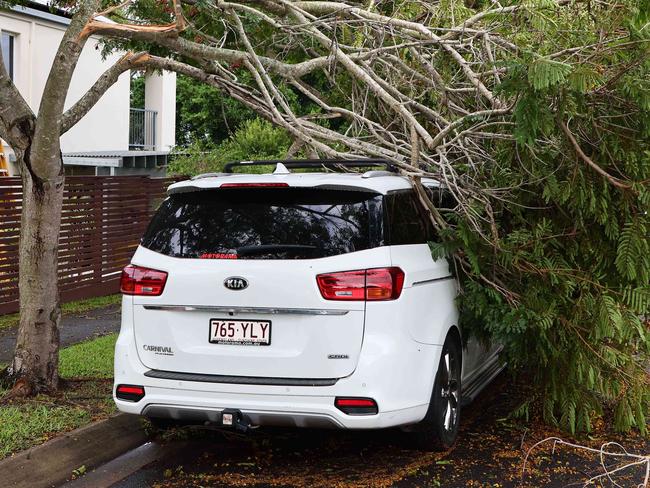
{"points": [[112, 138]]}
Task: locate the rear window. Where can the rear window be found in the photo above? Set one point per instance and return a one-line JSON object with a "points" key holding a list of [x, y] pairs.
{"points": [[266, 223], [408, 223]]}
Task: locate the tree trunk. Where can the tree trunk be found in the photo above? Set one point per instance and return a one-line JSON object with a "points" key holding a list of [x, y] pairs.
{"points": [[35, 365]]}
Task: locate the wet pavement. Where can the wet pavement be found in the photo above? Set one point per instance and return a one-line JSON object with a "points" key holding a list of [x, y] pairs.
{"points": [[489, 453], [74, 328]]}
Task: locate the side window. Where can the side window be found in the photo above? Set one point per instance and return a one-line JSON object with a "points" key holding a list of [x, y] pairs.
{"points": [[7, 44], [441, 198], [407, 220]]}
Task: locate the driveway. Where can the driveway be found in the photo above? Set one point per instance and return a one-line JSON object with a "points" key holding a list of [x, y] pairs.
{"points": [[489, 454]]}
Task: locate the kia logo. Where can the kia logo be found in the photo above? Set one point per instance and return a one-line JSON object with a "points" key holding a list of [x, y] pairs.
{"points": [[235, 283]]}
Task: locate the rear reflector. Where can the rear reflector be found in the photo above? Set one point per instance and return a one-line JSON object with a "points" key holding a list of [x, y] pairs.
{"points": [[131, 393], [253, 185], [356, 406], [137, 280], [364, 284]]}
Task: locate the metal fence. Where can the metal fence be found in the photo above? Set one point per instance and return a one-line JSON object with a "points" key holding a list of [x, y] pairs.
{"points": [[102, 221], [142, 129]]}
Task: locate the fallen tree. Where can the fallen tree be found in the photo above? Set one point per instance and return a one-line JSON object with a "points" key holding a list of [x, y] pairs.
{"points": [[534, 115]]}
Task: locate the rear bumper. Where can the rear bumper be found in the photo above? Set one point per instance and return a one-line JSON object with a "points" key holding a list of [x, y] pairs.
{"points": [[282, 410], [393, 369]]}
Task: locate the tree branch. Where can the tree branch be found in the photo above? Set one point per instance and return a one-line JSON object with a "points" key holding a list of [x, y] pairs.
{"points": [[16, 118], [422, 31], [458, 122], [581, 154], [48, 123], [75, 113]]}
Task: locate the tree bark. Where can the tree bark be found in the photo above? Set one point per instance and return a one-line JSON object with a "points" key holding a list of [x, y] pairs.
{"points": [[34, 368]]}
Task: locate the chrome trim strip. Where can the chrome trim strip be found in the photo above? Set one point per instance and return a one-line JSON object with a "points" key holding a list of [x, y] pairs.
{"points": [[257, 310], [239, 380], [433, 280]]}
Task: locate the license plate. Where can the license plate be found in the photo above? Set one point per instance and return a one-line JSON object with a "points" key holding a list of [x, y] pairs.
{"points": [[240, 332]]}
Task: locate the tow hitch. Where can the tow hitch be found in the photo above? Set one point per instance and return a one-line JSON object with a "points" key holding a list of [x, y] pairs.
{"points": [[235, 420]]}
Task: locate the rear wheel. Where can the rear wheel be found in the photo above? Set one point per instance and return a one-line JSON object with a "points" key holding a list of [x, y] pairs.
{"points": [[439, 428]]}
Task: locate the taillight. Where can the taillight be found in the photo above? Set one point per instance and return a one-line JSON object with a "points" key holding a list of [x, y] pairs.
{"points": [[384, 283], [356, 406], [137, 280], [364, 284], [131, 393], [254, 185], [346, 285]]}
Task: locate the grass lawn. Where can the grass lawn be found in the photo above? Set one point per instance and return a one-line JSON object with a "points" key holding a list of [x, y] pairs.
{"points": [[86, 370], [67, 308], [90, 359]]}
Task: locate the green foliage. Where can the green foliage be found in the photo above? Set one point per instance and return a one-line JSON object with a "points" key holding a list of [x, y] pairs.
{"points": [[532, 118], [255, 139], [575, 264], [194, 159], [29, 422], [545, 72], [137, 91], [204, 115], [23, 426], [561, 277], [89, 359]]}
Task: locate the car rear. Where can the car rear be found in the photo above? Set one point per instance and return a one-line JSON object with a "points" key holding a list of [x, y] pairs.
{"points": [[254, 296]]}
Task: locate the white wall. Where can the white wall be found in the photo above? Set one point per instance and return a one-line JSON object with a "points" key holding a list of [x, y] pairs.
{"points": [[106, 127], [160, 95]]}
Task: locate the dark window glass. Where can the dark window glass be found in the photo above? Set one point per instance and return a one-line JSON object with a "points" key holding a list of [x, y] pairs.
{"points": [[7, 44], [408, 222], [286, 223], [441, 198]]}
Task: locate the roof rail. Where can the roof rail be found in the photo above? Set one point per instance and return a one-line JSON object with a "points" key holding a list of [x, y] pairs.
{"points": [[377, 173], [315, 163], [208, 175]]}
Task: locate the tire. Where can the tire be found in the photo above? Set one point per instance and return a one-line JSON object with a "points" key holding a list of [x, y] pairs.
{"points": [[439, 428]]}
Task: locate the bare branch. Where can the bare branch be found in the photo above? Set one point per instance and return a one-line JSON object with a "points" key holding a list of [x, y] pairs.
{"points": [[581, 154], [75, 113], [628, 460], [482, 114]]}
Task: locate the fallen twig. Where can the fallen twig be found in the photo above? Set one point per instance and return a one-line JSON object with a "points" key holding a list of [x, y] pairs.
{"points": [[631, 461]]}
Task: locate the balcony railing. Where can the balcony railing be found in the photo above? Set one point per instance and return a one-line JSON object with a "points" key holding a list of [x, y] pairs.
{"points": [[142, 129]]}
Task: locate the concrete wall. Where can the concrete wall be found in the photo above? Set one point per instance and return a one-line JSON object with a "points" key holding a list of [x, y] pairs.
{"points": [[160, 95], [106, 127]]}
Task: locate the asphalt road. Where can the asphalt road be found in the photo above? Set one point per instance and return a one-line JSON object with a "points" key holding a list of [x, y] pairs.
{"points": [[74, 328], [489, 453]]}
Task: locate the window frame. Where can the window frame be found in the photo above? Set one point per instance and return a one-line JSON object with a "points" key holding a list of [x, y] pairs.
{"points": [[10, 64]]}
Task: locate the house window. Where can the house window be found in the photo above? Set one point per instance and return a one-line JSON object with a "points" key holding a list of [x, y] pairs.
{"points": [[7, 43]]}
